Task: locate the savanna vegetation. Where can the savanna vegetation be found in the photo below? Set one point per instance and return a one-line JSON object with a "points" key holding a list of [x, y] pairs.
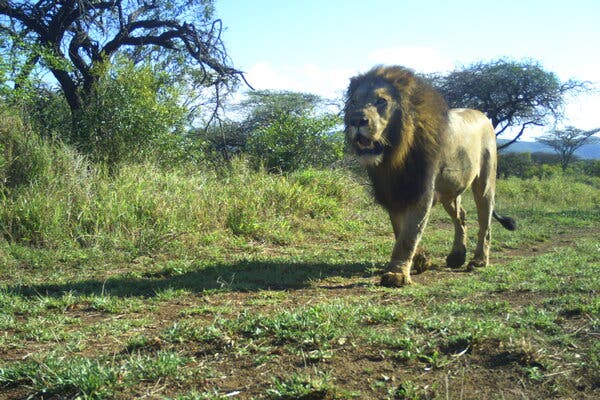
{"points": [[196, 282], [187, 280], [147, 254]]}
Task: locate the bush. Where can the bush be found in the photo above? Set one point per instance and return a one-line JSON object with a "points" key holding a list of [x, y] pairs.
{"points": [[132, 115], [293, 142], [539, 157], [46, 111], [591, 168], [542, 171], [542, 166], [42, 183], [26, 158], [514, 164]]}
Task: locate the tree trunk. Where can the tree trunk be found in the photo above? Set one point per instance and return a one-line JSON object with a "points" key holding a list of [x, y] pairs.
{"points": [[75, 97]]}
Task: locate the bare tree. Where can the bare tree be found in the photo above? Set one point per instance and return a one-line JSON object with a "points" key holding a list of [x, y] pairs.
{"points": [[565, 141], [73, 38]]}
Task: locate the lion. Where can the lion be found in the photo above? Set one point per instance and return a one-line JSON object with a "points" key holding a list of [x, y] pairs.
{"points": [[418, 152]]}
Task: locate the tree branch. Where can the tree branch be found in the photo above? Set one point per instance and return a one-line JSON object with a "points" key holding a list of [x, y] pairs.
{"points": [[90, 31], [17, 13], [523, 126], [66, 15], [78, 41]]}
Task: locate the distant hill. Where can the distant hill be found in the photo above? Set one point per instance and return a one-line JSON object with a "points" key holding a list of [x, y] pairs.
{"points": [[590, 151]]}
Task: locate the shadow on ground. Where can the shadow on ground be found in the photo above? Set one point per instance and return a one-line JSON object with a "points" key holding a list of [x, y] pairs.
{"points": [[243, 276]]}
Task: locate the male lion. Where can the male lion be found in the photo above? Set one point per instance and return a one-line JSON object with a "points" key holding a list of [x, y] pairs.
{"points": [[418, 152]]}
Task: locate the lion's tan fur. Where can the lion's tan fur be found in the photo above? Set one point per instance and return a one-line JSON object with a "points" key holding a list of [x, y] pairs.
{"points": [[418, 152]]}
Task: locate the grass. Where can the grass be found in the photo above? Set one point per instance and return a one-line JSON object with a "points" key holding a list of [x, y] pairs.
{"points": [[74, 377], [203, 284], [515, 318]]}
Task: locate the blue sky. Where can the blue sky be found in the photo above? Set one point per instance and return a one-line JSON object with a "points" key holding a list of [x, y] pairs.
{"points": [[317, 45]]}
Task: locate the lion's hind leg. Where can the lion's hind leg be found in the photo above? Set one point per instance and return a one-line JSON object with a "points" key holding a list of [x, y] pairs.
{"points": [[484, 200], [458, 255]]}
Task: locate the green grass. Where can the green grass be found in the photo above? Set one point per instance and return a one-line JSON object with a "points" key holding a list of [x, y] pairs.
{"points": [[80, 377], [203, 284], [307, 387]]}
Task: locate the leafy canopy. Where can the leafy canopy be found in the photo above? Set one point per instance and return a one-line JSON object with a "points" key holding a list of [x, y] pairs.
{"points": [[131, 115], [72, 38]]}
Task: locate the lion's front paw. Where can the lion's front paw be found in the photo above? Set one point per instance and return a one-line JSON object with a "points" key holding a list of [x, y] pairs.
{"points": [[421, 262], [395, 279]]}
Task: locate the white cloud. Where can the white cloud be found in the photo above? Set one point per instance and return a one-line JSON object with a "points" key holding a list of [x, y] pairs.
{"points": [[331, 82], [309, 78], [264, 76], [584, 111]]}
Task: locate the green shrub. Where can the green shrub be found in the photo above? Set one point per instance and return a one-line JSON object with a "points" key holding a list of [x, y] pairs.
{"points": [[591, 168], [25, 158], [542, 171], [292, 142], [132, 115], [46, 111], [514, 164]]}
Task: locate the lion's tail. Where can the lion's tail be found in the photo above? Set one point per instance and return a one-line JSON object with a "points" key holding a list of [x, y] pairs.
{"points": [[507, 222]]}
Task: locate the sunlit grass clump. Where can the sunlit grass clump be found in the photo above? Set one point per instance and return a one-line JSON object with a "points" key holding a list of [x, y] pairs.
{"points": [[53, 197]]}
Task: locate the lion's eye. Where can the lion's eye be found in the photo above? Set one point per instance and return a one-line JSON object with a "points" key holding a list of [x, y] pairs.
{"points": [[380, 101]]}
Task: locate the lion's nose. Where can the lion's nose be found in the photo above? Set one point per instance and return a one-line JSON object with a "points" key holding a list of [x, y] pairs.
{"points": [[359, 121]]}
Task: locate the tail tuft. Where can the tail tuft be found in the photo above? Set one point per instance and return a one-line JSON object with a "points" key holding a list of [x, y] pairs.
{"points": [[507, 222]]}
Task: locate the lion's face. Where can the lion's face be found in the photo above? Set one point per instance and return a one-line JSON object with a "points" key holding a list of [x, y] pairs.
{"points": [[369, 110]]}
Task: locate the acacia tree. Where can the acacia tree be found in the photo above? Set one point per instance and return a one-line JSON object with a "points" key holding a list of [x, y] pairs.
{"points": [[74, 38], [565, 141], [512, 94]]}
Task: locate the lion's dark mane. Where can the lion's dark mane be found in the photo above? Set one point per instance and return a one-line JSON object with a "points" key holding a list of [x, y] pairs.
{"points": [[415, 133], [397, 189]]}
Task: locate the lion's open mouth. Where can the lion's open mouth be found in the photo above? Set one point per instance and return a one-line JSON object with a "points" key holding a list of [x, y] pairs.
{"points": [[365, 146]]}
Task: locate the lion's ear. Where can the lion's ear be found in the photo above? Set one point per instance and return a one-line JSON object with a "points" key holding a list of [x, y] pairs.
{"points": [[404, 81], [352, 87]]}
